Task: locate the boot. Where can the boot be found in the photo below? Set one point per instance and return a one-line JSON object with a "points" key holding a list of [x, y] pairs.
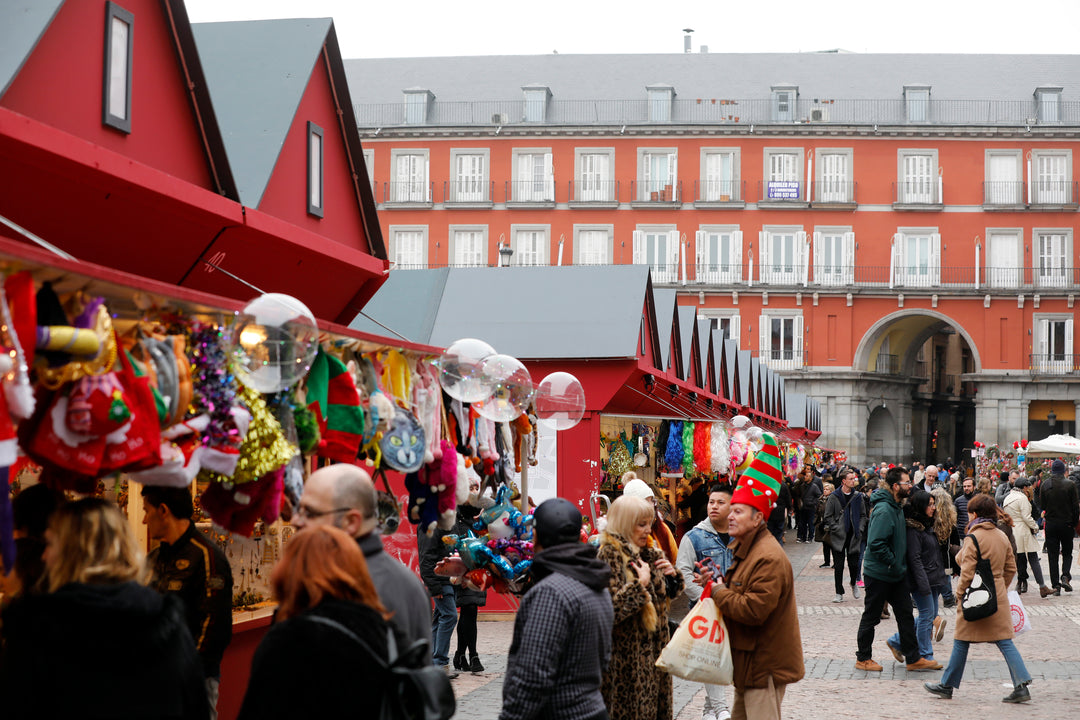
{"points": [[474, 665], [1018, 695], [1044, 591], [459, 661], [1021, 587]]}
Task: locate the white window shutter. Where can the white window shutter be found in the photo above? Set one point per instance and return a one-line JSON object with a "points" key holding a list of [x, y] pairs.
{"points": [[763, 338], [817, 254], [427, 181], [735, 330], [1069, 343], [525, 168], [898, 258], [1043, 349], [801, 266], [673, 161], [639, 248], [798, 341], [849, 257], [736, 256], [549, 175], [646, 175], [763, 259], [935, 259], [699, 246], [673, 249]]}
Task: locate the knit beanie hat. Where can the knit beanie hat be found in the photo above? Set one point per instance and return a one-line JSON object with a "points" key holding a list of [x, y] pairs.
{"points": [[1057, 467], [638, 488], [759, 486]]}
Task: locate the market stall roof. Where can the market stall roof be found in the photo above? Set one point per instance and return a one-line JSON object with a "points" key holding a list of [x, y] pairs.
{"points": [[1054, 445], [24, 22]]}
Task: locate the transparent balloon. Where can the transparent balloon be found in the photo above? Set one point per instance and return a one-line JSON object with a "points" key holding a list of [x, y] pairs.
{"points": [[273, 343], [513, 388], [460, 370], [560, 401], [740, 421]]}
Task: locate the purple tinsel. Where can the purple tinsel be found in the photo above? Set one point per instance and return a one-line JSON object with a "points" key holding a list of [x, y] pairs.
{"points": [[215, 390]]}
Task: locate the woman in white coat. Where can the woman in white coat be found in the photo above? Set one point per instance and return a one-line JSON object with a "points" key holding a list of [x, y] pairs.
{"points": [[1018, 505]]}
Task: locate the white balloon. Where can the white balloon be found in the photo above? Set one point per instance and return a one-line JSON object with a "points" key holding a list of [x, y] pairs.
{"points": [[560, 401], [273, 343], [460, 370]]}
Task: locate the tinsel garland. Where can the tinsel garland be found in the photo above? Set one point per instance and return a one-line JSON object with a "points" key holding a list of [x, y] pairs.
{"points": [[720, 459], [264, 449], [673, 453], [214, 386], [702, 451], [688, 447]]}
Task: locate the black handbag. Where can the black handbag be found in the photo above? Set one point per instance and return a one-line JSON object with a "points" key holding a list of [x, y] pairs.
{"points": [[416, 689], [980, 598]]}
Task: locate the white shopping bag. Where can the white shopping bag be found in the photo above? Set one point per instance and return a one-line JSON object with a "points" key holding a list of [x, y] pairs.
{"points": [[1021, 621], [700, 649]]}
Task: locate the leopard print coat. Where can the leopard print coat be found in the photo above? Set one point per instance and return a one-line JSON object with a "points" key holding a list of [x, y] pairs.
{"points": [[633, 687]]}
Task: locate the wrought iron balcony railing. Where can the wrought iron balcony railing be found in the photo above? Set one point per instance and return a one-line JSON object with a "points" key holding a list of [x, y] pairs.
{"points": [[719, 191], [1054, 363]]}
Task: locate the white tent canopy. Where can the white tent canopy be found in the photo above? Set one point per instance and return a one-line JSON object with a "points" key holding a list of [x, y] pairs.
{"points": [[1055, 445]]}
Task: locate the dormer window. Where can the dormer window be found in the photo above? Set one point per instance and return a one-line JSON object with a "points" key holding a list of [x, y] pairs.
{"points": [[917, 103], [1048, 104], [783, 102], [315, 169], [116, 96], [536, 101], [660, 97], [417, 102]]}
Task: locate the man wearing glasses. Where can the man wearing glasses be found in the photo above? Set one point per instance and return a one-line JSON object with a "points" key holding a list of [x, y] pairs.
{"points": [[343, 496], [885, 573]]}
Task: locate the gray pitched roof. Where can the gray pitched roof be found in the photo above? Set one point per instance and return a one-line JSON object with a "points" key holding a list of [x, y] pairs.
{"points": [[687, 327], [715, 75], [532, 313], [664, 302], [22, 23], [257, 72]]}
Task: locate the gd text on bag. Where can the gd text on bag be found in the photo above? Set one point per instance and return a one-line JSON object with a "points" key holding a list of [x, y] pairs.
{"points": [[700, 649]]}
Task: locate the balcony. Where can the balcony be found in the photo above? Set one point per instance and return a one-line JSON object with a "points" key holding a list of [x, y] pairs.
{"points": [[650, 196], [719, 194], [918, 195], [1052, 195], [529, 193], [1003, 195], [1054, 363], [781, 194], [594, 194], [887, 364], [833, 194], [468, 193], [723, 111], [781, 359], [407, 194]]}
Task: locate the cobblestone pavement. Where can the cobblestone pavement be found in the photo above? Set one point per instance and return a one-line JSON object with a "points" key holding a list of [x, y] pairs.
{"points": [[833, 689]]}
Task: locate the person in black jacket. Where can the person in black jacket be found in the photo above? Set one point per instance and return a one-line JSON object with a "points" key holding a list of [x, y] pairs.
{"points": [[1061, 509], [191, 566], [469, 602], [444, 617], [307, 665], [67, 649]]}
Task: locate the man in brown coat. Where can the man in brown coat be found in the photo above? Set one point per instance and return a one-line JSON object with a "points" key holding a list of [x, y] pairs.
{"points": [[757, 598]]}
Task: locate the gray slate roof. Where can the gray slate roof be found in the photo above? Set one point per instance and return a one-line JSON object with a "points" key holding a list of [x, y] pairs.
{"points": [[22, 23], [257, 72], [715, 75], [532, 313], [664, 302]]}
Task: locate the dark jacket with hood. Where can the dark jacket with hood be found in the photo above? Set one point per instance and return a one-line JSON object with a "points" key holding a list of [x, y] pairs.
{"points": [[886, 539], [464, 595], [924, 564], [400, 590], [562, 638], [100, 651], [432, 550], [1058, 498]]}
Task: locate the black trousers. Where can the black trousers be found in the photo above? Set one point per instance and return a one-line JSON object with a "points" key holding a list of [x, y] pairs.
{"points": [[1059, 539], [827, 551], [1022, 560], [838, 566], [466, 630], [805, 527], [879, 592]]}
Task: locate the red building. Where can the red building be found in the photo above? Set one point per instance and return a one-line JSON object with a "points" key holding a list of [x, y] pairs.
{"points": [[892, 233]]}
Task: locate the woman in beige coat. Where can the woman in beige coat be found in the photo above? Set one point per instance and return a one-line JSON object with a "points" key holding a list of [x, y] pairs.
{"points": [[1018, 505], [997, 628]]}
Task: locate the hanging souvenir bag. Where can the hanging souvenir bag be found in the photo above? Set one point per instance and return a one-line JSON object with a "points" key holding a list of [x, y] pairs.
{"points": [[980, 598], [139, 448]]}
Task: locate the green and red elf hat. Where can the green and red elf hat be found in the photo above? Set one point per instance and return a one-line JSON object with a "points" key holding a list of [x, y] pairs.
{"points": [[759, 485]]}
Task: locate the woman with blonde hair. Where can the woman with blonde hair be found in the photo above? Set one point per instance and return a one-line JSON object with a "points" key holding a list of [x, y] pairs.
{"points": [[948, 537], [643, 583], [97, 618]]}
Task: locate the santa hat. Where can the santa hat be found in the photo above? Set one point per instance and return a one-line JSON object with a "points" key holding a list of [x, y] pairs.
{"points": [[759, 486]]}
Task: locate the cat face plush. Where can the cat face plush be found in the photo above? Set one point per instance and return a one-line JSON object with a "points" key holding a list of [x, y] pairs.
{"points": [[403, 444]]}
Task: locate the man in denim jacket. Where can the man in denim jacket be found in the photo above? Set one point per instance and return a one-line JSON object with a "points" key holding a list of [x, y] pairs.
{"points": [[708, 542]]}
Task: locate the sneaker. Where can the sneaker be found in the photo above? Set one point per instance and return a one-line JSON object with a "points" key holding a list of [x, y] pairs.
{"points": [[943, 691], [895, 652], [1018, 695], [824, 565], [861, 584], [855, 591], [724, 715], [838, 599], [923, 664], [868, 665], [939, 628], [1065, 585]]}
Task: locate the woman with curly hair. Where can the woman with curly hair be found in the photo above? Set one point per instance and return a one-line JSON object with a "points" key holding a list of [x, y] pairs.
{"points": [[948, 537], [643, 583]]}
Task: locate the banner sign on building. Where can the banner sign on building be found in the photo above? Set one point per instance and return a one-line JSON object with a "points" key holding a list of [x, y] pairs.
{"points": [[785, 190]]}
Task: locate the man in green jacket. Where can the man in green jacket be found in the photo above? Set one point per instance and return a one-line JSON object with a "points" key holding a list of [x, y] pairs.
{"points": [[885, 574]]}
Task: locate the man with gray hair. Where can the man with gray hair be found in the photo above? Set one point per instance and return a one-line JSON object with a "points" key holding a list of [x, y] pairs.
{"points": [[343, 495]]}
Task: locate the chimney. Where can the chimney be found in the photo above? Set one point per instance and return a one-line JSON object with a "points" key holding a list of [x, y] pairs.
{"points": [[704, 49], [686, 40]]}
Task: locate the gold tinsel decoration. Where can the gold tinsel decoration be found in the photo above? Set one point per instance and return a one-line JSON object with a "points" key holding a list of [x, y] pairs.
{"points": [[264, 449]]}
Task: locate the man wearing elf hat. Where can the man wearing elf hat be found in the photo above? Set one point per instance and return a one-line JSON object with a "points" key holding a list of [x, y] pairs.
{"points": [[757, 597]]}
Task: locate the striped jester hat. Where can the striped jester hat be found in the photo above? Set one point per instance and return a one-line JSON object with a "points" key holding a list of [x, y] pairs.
{"points": [[759, 485]]}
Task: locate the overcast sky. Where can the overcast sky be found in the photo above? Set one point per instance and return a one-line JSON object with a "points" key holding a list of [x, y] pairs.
{"points": [[410, 28]]}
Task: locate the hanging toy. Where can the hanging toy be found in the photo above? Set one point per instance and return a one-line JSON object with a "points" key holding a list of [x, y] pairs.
{"points": [[403, 445], [673, 453], [719, 460], [702, 447], [688, 448]]}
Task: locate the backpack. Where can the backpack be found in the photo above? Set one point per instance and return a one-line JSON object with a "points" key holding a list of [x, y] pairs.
{"points": [[416, 689]]}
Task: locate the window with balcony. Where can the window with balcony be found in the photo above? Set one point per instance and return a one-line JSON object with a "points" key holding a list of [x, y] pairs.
{"points": [[726, 322], [658, 247], [1053, 344], [657, 175], [783, 103], [530, 244], [1004, 178], [719, 175], [834, 256], [917, 103], [783, 256], [1051, 177], [1052, 251], [719, 255], [410, 182], [834, 176], [783, 174], [593, 244], [470, 176], [780, 339], [916, 258], [408, 246], [595, 174], [468, 246], [534, 176], [918, 183], [1048, 104], [1004, 258]]}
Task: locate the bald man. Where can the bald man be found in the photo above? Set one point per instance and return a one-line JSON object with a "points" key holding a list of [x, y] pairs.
{"points": [[344, 496]]}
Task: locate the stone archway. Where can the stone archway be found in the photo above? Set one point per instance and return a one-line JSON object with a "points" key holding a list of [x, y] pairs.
{"points": [[916, 324], [882, 438]]}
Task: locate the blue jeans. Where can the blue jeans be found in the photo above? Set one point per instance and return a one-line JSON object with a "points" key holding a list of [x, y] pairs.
{"points": [[443, 621], [927, 606], [955, 670]]}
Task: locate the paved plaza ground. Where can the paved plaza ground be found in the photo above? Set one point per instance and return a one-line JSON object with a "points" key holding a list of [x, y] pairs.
{"points": [[834, 690]]}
